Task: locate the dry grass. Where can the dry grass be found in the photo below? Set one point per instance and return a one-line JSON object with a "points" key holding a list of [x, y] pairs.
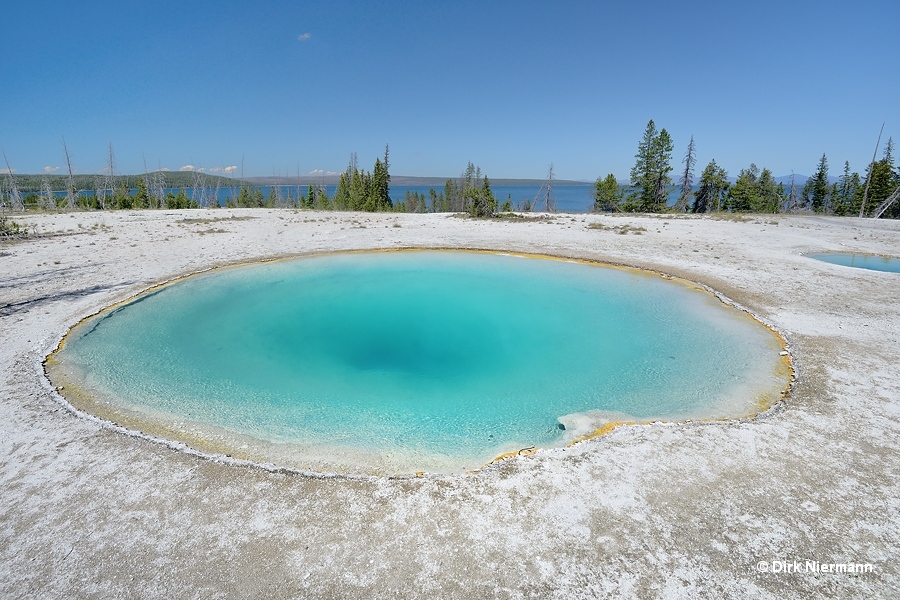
{"points": [[735, 217], [619, 229], [193, 221]]}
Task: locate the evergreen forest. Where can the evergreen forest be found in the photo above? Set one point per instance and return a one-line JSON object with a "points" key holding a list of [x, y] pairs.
{"points": [[873, 194]]}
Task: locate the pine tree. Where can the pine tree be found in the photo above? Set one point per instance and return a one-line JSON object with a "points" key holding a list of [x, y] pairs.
{"points": [[743, 195], [182, 201], [358, 190], [433, 203], [607, 194], [469, 180], [342, 195], [487, 195], [893, 211], [881, 184], [687, 179], [482, 202], [451, 194], [379, 198], [650, 175], [642, 175], [662, 153], [713, 184], [142, 197], [769, 196], [817, 191], [321, 201], [844, 195], [383, 187], [122, 198]]}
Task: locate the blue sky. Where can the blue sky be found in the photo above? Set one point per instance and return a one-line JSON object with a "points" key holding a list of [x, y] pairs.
{"points": [[511, 86]]}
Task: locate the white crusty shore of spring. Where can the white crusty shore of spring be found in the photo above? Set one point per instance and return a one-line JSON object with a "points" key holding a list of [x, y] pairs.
{"points": [[655, 510]]}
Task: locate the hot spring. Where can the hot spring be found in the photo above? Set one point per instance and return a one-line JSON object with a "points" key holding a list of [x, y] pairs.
{"points": [[860, 261], [398, 362]]}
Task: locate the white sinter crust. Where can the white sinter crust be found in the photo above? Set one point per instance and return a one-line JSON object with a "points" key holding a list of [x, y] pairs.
{"points": [[647, 511]]}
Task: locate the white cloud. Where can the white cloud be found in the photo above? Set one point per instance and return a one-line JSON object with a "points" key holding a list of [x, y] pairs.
{"points": [[230, 169], [49, 169], [5, 171], [303, 37], [187, 168], [316, 172], [331, 172]]}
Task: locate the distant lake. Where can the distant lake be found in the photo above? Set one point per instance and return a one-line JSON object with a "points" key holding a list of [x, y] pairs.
{"points": [[575, 198], [568, 198]]}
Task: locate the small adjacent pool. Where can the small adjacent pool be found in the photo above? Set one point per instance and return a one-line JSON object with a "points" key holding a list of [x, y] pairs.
{"points": [[398, 362], [860, 261]]}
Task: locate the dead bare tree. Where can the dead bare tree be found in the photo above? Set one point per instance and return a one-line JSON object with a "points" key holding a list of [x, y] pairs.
{"points": [[545, 193], [792, 196], [15, 198], [100, 190], [70, 181], [109, 180], [158, 188], [215, 198], [199, 190], [233, 189], [882, 208], [299, 193], [862, 207], [104, 185], [48, 199], [148, 181]]}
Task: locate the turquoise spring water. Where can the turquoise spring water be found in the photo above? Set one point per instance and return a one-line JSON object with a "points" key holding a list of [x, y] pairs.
{"points": [[387, 362], [860, 261]]}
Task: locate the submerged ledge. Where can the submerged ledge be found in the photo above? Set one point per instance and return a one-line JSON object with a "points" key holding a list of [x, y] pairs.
{"points": [[217, 448]]}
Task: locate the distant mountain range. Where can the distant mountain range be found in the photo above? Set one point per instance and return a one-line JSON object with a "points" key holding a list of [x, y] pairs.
{"points": [[798, 179]]}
